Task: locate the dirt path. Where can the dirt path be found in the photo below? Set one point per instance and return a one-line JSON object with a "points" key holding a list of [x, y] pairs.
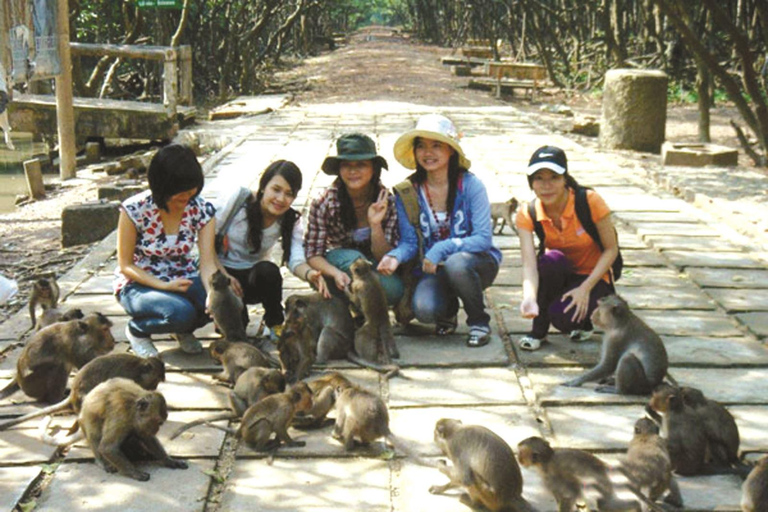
{"points": [[375, 65]]}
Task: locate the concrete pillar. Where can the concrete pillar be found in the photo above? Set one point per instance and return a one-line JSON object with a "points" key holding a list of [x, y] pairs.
{"points": [[634, 110]]}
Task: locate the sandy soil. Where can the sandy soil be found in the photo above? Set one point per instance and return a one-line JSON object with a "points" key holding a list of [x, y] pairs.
{"points": [[375, 65]]}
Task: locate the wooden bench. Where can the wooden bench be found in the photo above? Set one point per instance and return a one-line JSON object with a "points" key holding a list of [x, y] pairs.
{"points": [[505, 84], [479, 52], [514, 75]]}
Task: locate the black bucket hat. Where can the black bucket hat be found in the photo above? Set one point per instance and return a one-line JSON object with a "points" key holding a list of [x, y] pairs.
{"points": [[352, 146]]}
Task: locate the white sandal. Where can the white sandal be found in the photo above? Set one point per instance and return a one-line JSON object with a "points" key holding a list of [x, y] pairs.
{"points": [[529, 343]]}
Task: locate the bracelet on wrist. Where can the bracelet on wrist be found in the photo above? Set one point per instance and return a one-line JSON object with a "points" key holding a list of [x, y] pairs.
{"points": [[306, 274]]}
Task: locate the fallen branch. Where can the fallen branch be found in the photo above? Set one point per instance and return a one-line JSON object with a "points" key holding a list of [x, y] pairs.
{"points": [[758, 159]]}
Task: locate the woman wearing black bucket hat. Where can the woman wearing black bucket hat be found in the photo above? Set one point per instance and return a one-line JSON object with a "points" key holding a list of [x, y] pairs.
{"points": [[353, 218]]}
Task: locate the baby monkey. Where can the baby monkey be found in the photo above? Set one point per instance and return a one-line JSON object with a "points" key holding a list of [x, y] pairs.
{"points": [[503, 212], [45, 293]]}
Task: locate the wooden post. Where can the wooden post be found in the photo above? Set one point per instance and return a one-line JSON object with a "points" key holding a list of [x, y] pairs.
{"points": [[170, 83], [34, 177], [185, 75], [65, 110]]}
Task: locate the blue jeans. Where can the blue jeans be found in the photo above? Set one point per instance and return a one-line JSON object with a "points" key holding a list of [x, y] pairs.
{"points": [[155, 311], [464, 275], [342, 259]]}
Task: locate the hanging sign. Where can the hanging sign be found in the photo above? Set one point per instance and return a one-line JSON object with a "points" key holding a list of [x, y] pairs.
{"points": [[160, 4], [45, 22]]}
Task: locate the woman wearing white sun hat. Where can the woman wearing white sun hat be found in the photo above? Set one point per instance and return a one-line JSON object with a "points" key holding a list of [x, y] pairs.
{"points": [[460, 260]]}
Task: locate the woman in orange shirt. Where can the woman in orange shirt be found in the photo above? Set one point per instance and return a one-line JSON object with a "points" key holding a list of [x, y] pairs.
{"points": [[562, 285]]}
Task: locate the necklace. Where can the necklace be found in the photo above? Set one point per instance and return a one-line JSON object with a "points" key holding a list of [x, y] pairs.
{"points": [[443, 228]]}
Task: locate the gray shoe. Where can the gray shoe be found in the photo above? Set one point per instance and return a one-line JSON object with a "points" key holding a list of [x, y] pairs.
{"points": [[188, 343], [142, 346], [579, 335]]}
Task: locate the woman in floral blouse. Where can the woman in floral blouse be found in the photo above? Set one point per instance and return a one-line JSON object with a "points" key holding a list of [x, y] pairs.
{"points": [[157, 280]]}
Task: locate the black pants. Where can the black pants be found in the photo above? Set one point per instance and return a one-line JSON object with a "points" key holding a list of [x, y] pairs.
{"points": [[262, 284]]}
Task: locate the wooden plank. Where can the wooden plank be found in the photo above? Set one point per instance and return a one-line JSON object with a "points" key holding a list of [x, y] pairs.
{"points": [[120, 50], [516, 70], [458, 61]]}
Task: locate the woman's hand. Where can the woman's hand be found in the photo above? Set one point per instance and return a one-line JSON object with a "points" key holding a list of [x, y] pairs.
{"points": [[235, 285], [428, 267], [342, 280], [388, 265], [579, 303], [529, 308], [178, 285], [378, 210], [315, 278]]}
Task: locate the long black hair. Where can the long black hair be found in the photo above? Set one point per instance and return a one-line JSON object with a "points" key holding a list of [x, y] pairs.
{"points": [[348, 219], [454, 171], [174, 169], [292, 174]]}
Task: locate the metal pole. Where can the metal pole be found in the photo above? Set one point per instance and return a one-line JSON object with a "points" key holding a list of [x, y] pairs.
{"points": [[65, 112]]}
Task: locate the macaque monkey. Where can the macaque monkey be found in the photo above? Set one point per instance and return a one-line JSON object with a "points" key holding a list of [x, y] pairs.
{"points": [[567, 473], [253, 385], [632, 354], [503, 212], [483, 464], [236, 357], [719, 427], [754, 491], [226, 308], [53, 315], [147, 373], [323, 399], [374, 340], [53, 352], [318, 330], [648, 465], [120, 420], [45, 293], [272, 415]]}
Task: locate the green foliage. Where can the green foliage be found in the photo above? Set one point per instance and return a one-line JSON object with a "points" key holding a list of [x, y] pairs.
{"points": [[678, 93]]}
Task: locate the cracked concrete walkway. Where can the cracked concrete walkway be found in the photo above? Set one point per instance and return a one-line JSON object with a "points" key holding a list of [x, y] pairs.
{"points": [[701, 285]]}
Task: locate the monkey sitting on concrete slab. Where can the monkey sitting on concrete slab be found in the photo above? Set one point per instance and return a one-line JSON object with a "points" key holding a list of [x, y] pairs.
{"points": [[226, 308], [503, 212], [754, 490], [45, 293], [52, 315], [236, 357], [483, 464], [52, 353], [147, 373], [324, 389], [120, 420], [632, 356]]}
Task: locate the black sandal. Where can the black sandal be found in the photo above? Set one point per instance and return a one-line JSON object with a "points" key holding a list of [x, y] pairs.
{"points": [[446, 327]]}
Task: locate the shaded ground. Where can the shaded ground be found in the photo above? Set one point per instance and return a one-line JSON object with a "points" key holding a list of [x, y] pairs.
{"points": [[376, 65]]}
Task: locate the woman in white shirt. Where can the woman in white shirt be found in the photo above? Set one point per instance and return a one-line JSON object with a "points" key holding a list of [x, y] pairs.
{"points": [[255, 228]]}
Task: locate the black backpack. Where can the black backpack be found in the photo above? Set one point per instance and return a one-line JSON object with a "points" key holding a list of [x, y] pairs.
{"points": [[585, 217]]}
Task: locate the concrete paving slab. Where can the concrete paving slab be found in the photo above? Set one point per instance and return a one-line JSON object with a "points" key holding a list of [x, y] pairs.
{"points": [[650, 276], [633, 217], [727, 385], [433, 350], [729, 278], [642, 258], [740, 299], [694, 244], [683, 296], [689, 323], [733, 351], [547, 384], [511, 258], [193, 391], [104, 303], [509, 276], [594, 427], [85, 486], [415, 426], [756, 322], [411, 485], [14, 483], [322, 485], [558, 350], [98, 284], [23, 446], [506, 242], [722, 492], [723, 259], [460, 386], [681, 229], [639, 202], [751, 420]]}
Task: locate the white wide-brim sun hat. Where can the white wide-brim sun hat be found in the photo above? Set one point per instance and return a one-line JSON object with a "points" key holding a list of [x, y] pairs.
{"points": [[429, 126]]}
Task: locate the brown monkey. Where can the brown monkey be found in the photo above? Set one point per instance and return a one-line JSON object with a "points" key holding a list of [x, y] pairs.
{"points": [[120, 421], [503, 212], [236, 357], [226, 308], [45, 293], [567, 472], [253, 385], [754, 490], [318, 330], [631, 351], [374, 340], [53, 315], [147, 373], [719, 427], [323, 399], [648, 464], [482, 463], [51, 353]]}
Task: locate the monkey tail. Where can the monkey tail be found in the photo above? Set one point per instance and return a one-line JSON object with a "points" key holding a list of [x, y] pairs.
{"points": [[191, 424], [389, 370], [63, 405], [409, 452], [9, 389], [672, 380], [57, 441], [630, 484], [228, 430]]}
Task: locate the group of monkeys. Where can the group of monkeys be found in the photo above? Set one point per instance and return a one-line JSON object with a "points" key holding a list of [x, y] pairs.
{"points": [[120, 411]]}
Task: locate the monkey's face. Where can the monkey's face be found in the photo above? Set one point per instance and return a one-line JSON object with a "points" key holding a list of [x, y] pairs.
{"points": [[217, 349], [152, 373], [151, 413], [219, 281], [659, 401], [302, 396], [645, 426], [533, 451], [360, 268], [43, 288]]}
